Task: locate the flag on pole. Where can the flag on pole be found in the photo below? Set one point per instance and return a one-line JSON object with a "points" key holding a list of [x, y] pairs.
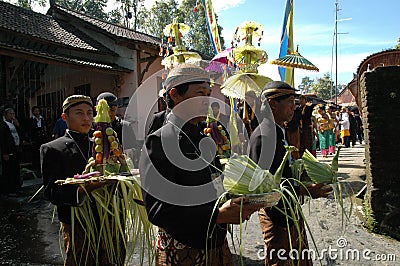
{"points": [[233, 129], [212, 25], [287, 43]]}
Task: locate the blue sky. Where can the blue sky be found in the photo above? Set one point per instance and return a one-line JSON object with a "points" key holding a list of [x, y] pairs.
{"points": [[373, 27]]}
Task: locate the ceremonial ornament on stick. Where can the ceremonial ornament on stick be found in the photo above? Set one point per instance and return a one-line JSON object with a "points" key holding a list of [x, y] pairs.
{"points": [[247, 58], [178, 30]]}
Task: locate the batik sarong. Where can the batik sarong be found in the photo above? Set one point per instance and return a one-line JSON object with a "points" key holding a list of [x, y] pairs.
{"points": [[170, 252]]}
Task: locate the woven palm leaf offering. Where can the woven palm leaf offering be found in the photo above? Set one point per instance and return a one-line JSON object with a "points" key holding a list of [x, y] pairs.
{"points": [[118, 221], [320, 172], [243, 178]]}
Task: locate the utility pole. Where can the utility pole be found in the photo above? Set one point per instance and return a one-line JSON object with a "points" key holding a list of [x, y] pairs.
{"points": [[336, 43], [336, 34]]}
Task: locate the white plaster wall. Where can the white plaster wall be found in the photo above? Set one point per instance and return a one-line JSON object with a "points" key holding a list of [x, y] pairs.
{"points": [[143, 102]]}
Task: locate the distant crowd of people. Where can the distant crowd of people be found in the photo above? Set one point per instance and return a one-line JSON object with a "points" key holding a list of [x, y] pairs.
{"points": [[17, 138], [322, 127], [13, 136], [337, 127]]}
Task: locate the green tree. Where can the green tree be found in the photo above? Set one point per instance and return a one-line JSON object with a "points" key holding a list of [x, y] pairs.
{"points": [[28, 3], [93, 8], [198, 38], [71, 4], [159, 15], [132, 12], [324, 87], [163, 12], [398, 44], [115, 16], [305, 86]]}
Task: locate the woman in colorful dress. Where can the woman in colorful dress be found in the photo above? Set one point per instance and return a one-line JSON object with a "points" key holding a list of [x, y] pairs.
{"points": [[345, 128], [323, 130], [332, 129]]}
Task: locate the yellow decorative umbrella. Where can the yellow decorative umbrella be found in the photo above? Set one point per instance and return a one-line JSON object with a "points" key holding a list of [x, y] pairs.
{"points": [[237, 85], [180, 57], [247, 58], [175, 27], [295, 60]]}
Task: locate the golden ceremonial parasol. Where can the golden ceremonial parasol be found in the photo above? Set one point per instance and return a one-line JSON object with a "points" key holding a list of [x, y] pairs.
{"points": [[181, 57], [295, 60], [250, 29], [248, 55], [177, 30], [237, 85]]}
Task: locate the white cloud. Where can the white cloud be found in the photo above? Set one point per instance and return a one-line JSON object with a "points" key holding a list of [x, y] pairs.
{"points": [[149, 3], [313, 34], [40, 9], [219, 5], [269, 70]]}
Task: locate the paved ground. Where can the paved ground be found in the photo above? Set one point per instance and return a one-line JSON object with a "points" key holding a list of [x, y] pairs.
{"points": [[30, 238], [345, 241]]}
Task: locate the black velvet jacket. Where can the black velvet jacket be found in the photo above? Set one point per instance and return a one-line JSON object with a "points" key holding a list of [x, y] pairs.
{"points": [[61, 159], [262, 151], [169, 206], [156, 121]]}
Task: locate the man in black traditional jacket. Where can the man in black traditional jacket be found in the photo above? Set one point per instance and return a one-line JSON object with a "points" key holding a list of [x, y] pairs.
{"points": [[37, 133], [10, 180], [267, 148], [62, 158], [180, 178], [156, 121]]}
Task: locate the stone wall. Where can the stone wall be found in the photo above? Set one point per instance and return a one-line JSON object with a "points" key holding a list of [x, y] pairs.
{"points": [[380, 96]]}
